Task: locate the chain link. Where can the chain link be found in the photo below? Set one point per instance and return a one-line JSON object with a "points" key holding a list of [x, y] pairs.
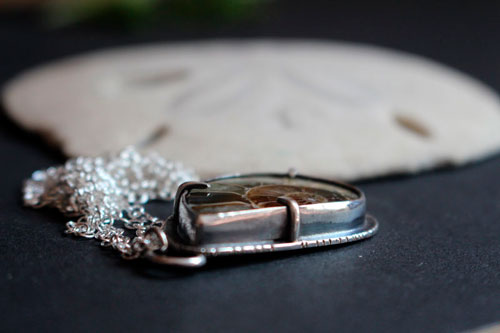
{"points": [[101, 192]]}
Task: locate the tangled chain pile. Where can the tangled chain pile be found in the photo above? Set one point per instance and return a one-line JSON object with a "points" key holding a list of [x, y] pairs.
{"points": [[102, 191]]}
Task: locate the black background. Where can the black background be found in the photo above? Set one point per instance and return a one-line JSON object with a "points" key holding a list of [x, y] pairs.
{"points": [[434, 266]]}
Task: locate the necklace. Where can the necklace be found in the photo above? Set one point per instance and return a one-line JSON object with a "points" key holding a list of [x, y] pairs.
{"points": [[238, 214]]}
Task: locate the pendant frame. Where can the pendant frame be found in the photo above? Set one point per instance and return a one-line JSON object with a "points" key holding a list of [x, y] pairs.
{"points": [[346, 221]]}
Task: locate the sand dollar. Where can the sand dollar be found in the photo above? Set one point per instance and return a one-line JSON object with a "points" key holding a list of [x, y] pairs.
{"points": [[325, 108]]}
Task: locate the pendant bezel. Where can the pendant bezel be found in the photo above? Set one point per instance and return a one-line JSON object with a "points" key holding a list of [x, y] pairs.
{"points": [[347, 222]]}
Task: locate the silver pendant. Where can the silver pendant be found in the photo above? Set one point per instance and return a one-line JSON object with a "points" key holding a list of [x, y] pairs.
{"points": [[260, 213]]}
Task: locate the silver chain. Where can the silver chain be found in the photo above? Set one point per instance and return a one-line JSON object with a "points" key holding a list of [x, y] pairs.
{"points": [[101, 192]]}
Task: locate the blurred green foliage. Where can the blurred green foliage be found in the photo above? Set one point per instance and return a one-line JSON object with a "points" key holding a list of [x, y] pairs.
{"points": [[139, 13]]}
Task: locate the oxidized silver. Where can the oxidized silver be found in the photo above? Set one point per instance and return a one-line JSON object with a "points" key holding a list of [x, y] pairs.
{"points": [[265, 229], [102, 191]]}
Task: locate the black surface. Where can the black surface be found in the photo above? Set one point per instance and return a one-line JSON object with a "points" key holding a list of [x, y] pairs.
{"points": [[434, 266]]}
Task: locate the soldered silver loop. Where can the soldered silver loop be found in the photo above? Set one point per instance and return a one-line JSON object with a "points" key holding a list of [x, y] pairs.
{"points": [[293, 217], [160, 243]]}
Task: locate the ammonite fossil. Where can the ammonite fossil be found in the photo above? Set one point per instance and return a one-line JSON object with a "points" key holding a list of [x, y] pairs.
{"points": [[260, 192]]}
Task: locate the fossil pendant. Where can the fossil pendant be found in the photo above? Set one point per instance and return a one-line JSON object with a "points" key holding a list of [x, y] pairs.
{"points": [[258, 213]]}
